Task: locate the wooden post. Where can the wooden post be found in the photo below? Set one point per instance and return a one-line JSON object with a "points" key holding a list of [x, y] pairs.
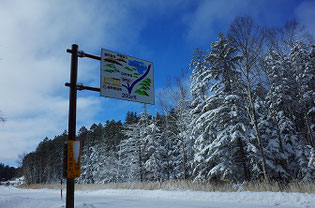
{"points": [[72, 117]]}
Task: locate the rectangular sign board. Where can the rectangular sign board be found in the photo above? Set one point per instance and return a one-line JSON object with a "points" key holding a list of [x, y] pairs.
{"points": [[73, 159], [126, 77]]}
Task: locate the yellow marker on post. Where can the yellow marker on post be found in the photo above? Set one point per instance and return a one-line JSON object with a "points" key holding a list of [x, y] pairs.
{"points": [[74, 159]]}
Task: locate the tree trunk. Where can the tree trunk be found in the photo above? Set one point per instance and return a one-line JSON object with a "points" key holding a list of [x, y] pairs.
{"points": [[309, 133], [260, 146], [243, 160], [140, 164], [184, 161]]}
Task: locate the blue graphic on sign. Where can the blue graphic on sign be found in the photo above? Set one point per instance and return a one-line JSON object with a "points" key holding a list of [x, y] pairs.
{"points": [[140, 66]]}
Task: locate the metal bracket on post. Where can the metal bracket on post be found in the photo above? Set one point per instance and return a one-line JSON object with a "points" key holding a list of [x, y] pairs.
{"points": [[81, 54], [83, 87]]}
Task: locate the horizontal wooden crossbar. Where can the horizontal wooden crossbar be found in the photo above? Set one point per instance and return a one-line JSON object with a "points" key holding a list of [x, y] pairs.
{"points": [[82, 87], [82, 55]]}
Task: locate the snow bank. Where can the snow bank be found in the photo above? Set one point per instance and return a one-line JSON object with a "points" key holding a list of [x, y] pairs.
{"points": [[262, 198], [11, 197]]}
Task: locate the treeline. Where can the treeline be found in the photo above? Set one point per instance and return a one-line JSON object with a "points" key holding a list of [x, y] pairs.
{"points": [[248, 114], [45, 164], [7, 172]]}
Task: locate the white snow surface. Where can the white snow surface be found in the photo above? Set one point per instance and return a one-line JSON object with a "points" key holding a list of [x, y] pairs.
{"points": [[11, 197]]}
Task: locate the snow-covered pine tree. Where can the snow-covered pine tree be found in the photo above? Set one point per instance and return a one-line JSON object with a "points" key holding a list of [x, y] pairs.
{"points": [[303, 71], [221, 149], [103, 153], [199, 85], [292, 51], [183, 118], [132, 151], [276, 157], [185, 138], [172, 151], [92, 138], [154, 164], [176, 105], [129, 162], [165, 145], [85, 154], [199, 91], [104, 166], [306, 162], [280, 102]]}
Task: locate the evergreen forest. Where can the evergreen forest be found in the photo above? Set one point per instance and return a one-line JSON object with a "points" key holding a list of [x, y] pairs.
{"points": [[245, 112]]}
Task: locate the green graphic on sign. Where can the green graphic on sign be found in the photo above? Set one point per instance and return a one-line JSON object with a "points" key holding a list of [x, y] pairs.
{"points": [[126, 77]]}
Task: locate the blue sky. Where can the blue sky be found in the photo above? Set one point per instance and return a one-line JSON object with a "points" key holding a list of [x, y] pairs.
{"points": [[34, 65]]}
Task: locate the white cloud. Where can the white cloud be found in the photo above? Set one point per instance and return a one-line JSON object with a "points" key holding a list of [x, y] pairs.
{"points": [[34, 65], [204, 22]]}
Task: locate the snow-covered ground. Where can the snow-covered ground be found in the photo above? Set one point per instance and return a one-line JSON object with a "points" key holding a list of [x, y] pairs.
{"points": [[43, 198], [13, 182]]}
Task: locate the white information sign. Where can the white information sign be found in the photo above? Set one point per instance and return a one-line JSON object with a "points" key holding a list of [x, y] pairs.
{"points": [[125, 77]]}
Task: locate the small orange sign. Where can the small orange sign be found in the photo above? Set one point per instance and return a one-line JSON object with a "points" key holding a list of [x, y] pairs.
{"points": [[73, 159]]}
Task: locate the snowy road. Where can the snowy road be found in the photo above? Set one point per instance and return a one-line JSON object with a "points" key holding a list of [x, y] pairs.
{"points": [[44, 198]]}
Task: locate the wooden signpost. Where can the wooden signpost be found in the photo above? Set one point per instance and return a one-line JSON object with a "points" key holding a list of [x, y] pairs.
{"points": [[122, 77]]}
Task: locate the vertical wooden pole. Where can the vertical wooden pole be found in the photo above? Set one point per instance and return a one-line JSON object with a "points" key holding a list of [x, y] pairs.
{"points": [[72, 117]]}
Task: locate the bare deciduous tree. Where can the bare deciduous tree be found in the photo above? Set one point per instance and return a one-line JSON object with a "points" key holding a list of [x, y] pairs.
{"points": [[249, 39], [2, 119]]}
